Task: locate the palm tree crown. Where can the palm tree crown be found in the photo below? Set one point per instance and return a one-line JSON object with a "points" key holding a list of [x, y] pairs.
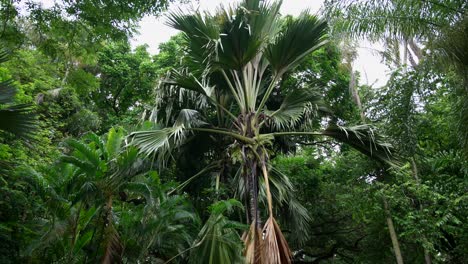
{"points": [[235, 59]]}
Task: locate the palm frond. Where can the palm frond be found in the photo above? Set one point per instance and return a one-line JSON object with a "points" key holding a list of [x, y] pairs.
{"points": [[218, 240], [128, 161], [7, 92], [301, 37], [19, 120], [276, 247], [88, 192], [98, 142], [113, 248], [294, 106], [363, 139], [151, 141], [201, 32], [183, 79], [253, 245], [161, 142], [114, 141], [244, 31], [298, 221], [83, 151], [4, 54]]}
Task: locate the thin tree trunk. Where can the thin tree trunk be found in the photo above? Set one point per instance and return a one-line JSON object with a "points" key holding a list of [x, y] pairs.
{"points": [[393, 235], [414, 168], [355, 94], [388, 216], [415, 48], [74, 234], [405, 51]]}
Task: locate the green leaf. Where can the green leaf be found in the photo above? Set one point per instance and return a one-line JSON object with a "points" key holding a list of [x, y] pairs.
{"points": [[114, 141], [300, 37], [294, 106]]}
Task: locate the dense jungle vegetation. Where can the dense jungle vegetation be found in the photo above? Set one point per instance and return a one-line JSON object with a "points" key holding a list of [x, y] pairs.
{"points": [[247, 139]]}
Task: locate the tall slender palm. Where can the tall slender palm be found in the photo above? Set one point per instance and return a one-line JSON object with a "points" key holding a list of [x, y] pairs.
{"points": [[236, 60]]}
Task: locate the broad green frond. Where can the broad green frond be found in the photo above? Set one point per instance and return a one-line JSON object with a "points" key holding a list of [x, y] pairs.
{"points": [[188, 81], [245, 29], [293, 107], [4, 54], [301, 37], [128, 160], [98, 142], [201, 32], [16, 119], [225, 206], [151, 141], [84, 151], [218, 240], [7, 92], [363, 139], [114, 141], [19, 120], [83, 165]]}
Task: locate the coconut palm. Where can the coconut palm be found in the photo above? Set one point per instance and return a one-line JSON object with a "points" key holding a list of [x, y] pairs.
{"points": [[236, 59]]}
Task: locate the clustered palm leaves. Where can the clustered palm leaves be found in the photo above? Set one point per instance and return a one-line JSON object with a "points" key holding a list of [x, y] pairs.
{"points": [[103, 204], [236, 59]]}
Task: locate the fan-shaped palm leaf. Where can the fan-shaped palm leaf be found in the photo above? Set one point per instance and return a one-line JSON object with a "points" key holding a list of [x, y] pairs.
{"points": [[16, 119], [218, 241], [294, 106], [300, 38], [19, 120]]}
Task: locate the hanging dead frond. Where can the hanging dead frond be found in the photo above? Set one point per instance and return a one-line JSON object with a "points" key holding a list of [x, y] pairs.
{"points": [[276, 249], [253, 242]]}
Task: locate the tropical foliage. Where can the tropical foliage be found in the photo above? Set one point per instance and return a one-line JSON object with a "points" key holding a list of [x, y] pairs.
{"points": [[248, 138]]}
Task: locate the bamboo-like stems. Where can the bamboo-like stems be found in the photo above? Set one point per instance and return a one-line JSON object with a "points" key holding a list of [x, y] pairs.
{"points": [[266, 95], [233, 90]]}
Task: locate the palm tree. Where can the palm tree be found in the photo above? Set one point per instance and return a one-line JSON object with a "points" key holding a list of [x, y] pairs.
{"points": [[236, 60], [101, 201]]}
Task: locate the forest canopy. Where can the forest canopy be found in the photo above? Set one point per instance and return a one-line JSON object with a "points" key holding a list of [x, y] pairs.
{"points": [[248, 138]]}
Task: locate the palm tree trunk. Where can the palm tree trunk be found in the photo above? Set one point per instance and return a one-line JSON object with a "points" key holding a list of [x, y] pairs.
{"points": [[393, 235], [253, 193]]}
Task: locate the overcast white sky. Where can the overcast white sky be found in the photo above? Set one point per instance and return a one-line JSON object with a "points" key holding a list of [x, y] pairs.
{"points": [[153, 31]]}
